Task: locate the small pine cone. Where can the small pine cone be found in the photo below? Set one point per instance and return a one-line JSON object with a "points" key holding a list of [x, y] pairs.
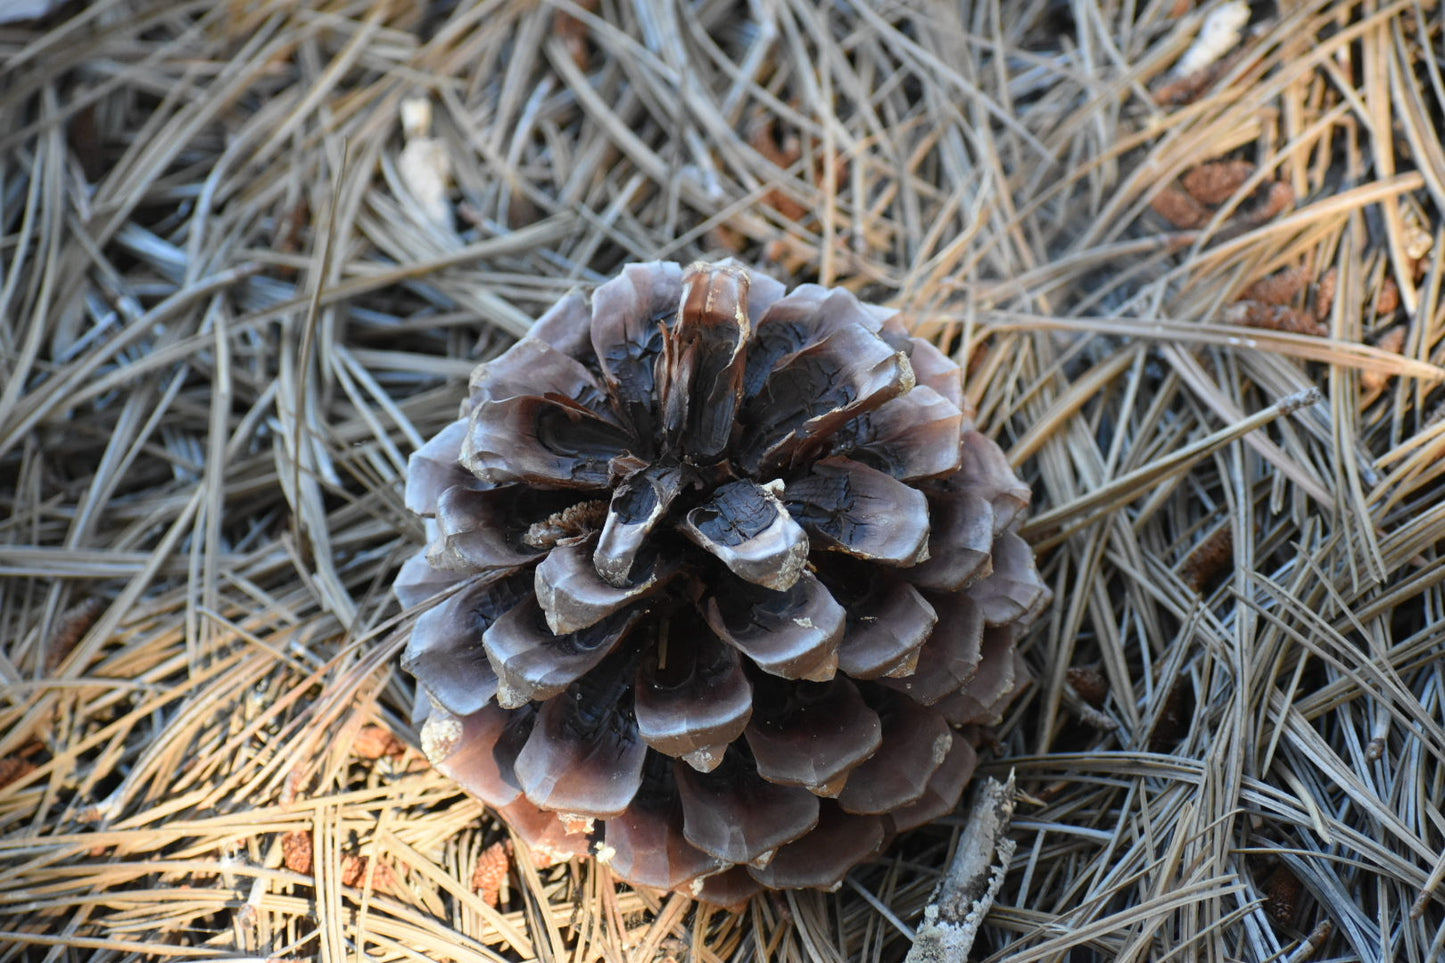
{"points": [[727, 570]]}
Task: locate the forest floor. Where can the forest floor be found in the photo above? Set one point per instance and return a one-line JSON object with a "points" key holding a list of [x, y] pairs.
{"points": [[236, 291]]}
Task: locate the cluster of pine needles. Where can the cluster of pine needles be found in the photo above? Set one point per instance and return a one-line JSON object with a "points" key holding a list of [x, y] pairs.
{"points": [[249, 251]]}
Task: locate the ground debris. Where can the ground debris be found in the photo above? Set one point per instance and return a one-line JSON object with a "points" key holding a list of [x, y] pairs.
{"points": [[489, 877], [962, 900]]}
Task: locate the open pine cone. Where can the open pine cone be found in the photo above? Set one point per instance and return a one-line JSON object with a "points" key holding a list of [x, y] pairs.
{"points": [[733, 581]]}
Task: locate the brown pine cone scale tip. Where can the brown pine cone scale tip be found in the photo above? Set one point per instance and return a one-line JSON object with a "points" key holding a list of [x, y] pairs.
{"points": [[720, 585]]}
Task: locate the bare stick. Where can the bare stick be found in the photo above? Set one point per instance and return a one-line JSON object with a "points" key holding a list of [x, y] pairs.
{"points": [[952, 917]]}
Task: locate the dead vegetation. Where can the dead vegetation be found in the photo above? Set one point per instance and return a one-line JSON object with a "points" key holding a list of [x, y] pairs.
{"points": [[236, 293]]}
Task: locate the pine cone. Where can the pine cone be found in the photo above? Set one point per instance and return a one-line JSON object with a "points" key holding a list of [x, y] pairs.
{"points": [[730, 582]]}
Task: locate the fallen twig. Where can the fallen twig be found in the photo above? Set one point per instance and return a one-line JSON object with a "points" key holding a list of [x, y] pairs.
{"points": [[962, 900]]}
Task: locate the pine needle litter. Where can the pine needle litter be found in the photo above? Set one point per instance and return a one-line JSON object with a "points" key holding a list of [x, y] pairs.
{"points": [[1190, 257]]}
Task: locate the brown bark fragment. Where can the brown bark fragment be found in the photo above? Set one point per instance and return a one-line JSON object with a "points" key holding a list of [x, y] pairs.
{"points": [[1177, 207], [296, 852], [1187, 89], [1325, 293], [763, 138], [1277, 198], [353, 872], [14, 767], [489, 877], [1373, 382], [1282, 892], [1174, 716], [71, 628], [1216, 181], [373, 742], [1090, 683], [1209, 560], [1275, 317], [573, 34], [1279, 288], [1388, 300]]}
